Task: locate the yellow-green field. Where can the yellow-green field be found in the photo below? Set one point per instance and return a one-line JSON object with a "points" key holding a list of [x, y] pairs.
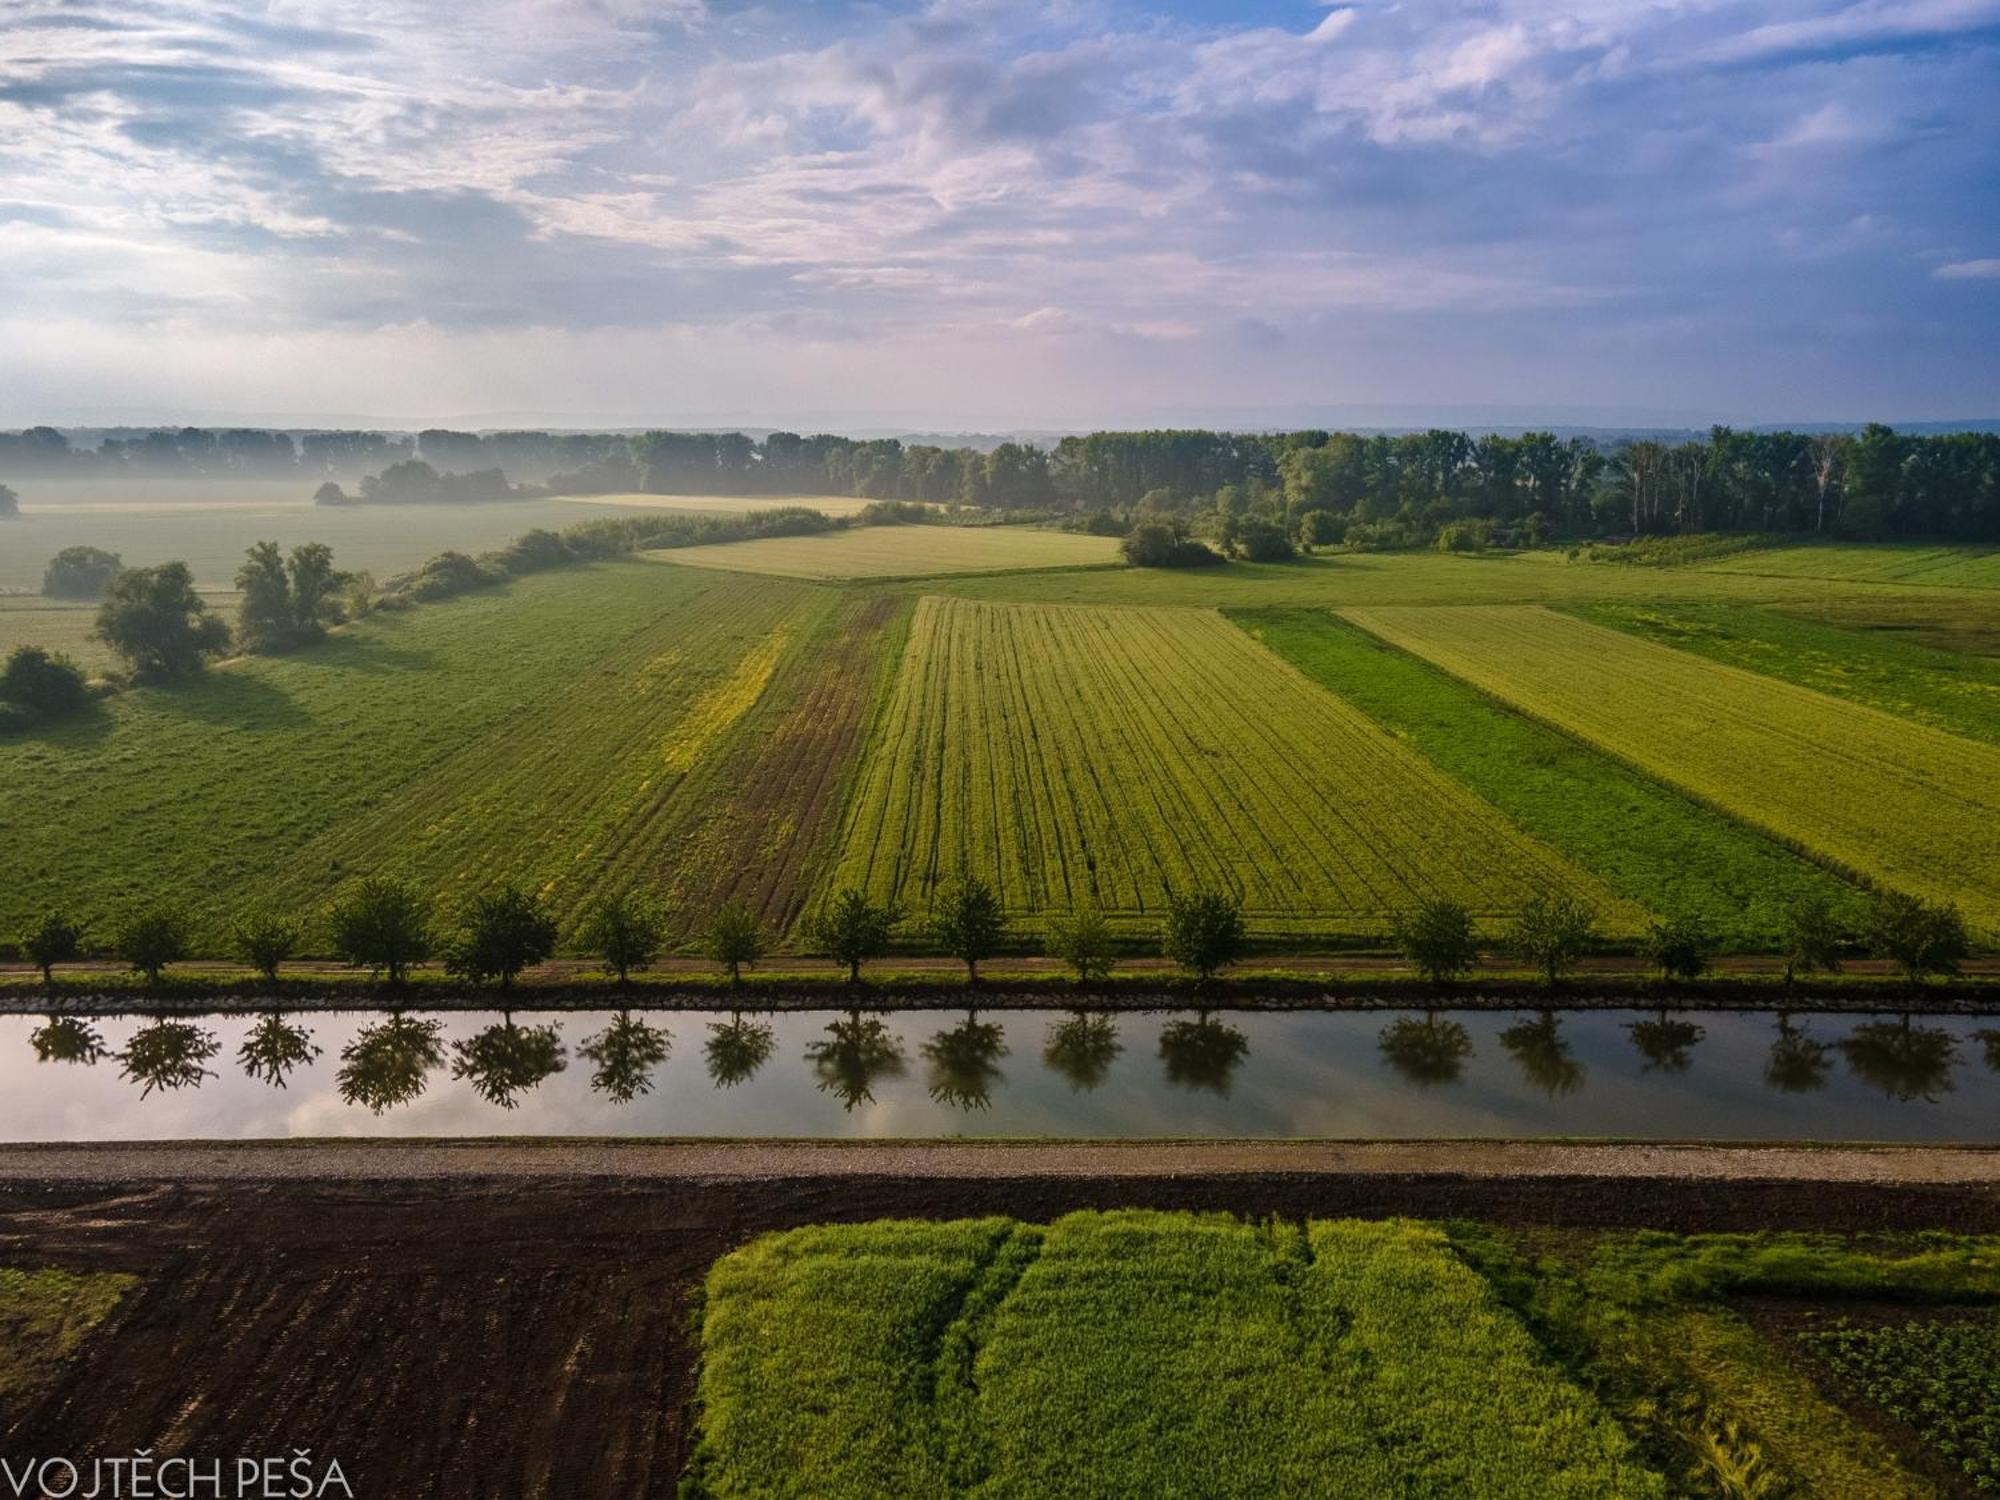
{"points": [[1955, 567], [1897, 802], [903, 552], [1115, 755]]}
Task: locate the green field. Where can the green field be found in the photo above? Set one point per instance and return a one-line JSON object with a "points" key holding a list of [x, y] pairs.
{"points": [[1112, 756], [1908, 564], [1892, 800], [721, 505], [44, 1316], [903, 552], [1654, 847], [665, 725], [1137, 1352], [1133, 1354], [1949, 690]]}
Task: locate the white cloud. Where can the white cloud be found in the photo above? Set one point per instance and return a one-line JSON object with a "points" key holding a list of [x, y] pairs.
{"points": [[1969, 270]]}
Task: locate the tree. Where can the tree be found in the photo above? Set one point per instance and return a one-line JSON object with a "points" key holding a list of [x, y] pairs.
{"points": [[1203, 932], [734, 938], [264, 614], [1261, 539], [500, 934], [1438, 938], [330, 493], [10, 503], [1162, 544], [152, 938], [969, 925], [264, 940], [80, 573], [43, 683], [1679, 946], [1809, 939], [1921, 937], [1552, 932], [850, 929], [56, 939], [1082, 940], [381, 925], [155, 620], [625, 931]]}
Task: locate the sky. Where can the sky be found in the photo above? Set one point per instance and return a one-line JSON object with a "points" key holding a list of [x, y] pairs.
{"points": [[999, 214]]}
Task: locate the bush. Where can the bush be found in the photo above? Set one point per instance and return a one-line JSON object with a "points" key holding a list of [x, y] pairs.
{"points": [[381, 925], [1553, 931], [1438, 938], [1203, 932], [1465, 536], [443, 576], [624, 931], [1159, 544], [850, 929], [1264, 541], [535, 551], [151, 939], [43, 684], [155, 620], [502, 933], [1921, 937], [80, 573]]}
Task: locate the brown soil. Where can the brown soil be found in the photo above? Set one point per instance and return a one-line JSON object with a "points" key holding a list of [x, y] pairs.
{"points": [[511, 1319]]}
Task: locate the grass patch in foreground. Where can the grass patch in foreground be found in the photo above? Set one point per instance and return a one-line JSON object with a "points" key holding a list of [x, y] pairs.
{"points": [[44, 1316], [1941, 1378], [1134, 1353], [1650, 844]]}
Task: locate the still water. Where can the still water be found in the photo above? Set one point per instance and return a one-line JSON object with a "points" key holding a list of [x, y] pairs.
{"points": [[833, 1073]]}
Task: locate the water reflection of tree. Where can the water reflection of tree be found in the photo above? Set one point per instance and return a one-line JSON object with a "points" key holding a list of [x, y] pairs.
{"points": [[385, 1064], [67, 1039], [1203, 1053], [168, 1055], [737, 1049], [1798, 1063], [625, 1052], [1543, 1054], [964, 1062], [1990, 1040], [1665, 1041], [1903, 1060], [274, 1047], [1428, 1051], [856, 1054], [507, 1059], [1082, 1048]]}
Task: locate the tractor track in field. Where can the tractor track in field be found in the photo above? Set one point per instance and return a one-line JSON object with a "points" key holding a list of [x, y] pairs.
{"points": [[513, 1318]]}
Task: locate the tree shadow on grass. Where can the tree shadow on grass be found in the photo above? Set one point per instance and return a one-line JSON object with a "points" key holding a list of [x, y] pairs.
{"points": [[227, 697]]}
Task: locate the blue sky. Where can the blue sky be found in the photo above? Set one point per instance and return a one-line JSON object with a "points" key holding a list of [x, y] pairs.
{"points": [[985, 214]]}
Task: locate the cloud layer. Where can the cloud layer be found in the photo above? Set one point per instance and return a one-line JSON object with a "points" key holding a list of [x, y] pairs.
{"points": [[978, 212]]}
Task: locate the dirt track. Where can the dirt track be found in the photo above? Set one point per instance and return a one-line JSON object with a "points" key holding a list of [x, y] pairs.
{"points": [[511, 1319]]}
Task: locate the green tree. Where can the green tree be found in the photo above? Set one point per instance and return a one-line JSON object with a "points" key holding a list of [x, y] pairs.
{"points": [[1553, 931], [1679, 946], [734, 937], [56, 939], [1809, 938], [1438, 938], [264, 940], [155, 620], [1203, 932], [850, 929], [45, 683], [152, 938], [625, 930], [382, 925], [318, 589], [499, 935], [969, 925], [264, 611], [80, 573], [1921, 937], [1081, 939]]}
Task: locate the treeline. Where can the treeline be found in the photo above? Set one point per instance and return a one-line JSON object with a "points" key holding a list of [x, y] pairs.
{"points": [[263, 453], [390, 927]]}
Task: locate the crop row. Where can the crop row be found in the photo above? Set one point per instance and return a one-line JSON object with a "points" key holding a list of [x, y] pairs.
{"points": [[1895, 802], [1112, 757]]}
